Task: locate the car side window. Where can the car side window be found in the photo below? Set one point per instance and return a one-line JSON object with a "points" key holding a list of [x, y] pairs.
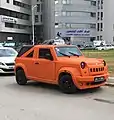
{"points": [[45, 53], [30, 55]]}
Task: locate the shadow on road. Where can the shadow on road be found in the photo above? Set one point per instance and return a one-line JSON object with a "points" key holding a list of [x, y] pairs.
{"points": [[40, 88], [7, 75]]}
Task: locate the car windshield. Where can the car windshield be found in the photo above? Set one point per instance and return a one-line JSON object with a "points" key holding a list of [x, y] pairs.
{"points": [[7, 53], [68, 51]]}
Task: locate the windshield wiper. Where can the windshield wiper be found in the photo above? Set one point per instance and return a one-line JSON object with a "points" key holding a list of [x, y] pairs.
{"points": [[74, 54], [63, 54]]}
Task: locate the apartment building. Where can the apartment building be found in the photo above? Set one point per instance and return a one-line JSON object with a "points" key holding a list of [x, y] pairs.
{"points": [[15, 20], [81, 21], [105, 21], [71, 19]]}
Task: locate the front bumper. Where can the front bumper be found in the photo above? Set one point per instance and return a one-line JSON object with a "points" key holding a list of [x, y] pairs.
{"points": [[86, 82], [7, 70]]}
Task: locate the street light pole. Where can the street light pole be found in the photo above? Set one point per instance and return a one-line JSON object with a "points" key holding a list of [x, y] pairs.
{"points": [[33, 23]]}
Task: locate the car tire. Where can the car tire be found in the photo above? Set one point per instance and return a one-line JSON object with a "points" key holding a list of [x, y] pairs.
{"points": [[20, 77], [66, 84]]}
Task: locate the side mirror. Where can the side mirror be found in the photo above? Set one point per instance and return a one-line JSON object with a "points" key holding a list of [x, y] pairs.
{"points": [[48, 56]]}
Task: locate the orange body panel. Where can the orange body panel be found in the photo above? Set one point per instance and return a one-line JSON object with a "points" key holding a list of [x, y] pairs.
{"points": [[48, 71]]}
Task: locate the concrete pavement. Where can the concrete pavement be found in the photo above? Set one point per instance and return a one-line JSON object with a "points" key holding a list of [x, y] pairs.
{"points": [[37, 101], [110, 82]]}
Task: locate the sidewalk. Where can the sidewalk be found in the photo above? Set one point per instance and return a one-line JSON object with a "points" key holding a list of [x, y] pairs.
{"points": [[110, 82]]}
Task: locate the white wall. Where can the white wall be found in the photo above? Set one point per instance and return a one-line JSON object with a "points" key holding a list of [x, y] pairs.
{"points": [[108, 21]]}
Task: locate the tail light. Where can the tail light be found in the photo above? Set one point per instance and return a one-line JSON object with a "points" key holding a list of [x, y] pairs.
{"points": [[104, 62], [83, 65]]}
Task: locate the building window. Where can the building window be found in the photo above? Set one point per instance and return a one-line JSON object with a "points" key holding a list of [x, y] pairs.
{"points": [[97, 37], [63, 13], [98, 5], [20, 4], [101, 15], [41, 18], [56, 25], [113, 39], [38, 7], [56, 1], [56, 13], [101, 4], [16, 26], [8, 1], [101, 37], [67, 25], [93, 26], [93, 3], [98, 15], [36, 18], [93, 14], [98, 27], [92, 39], [101, 26], [66, 1], [14, 14]]}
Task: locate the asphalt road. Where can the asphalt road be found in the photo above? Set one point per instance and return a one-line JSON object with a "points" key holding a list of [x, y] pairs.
{"points": [[37, 101]]}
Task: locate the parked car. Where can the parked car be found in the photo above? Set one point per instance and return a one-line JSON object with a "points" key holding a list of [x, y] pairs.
{"points": [[56, 41], [63, 65], [7, 57], [105, 47], [1, 44], [89, 47]]}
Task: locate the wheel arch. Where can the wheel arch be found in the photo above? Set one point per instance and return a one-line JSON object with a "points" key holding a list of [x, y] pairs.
{"points": [[73, 72], [21, 67], [63, 73]]}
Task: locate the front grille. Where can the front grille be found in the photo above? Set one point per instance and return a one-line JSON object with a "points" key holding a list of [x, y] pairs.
{"points": [[7, 70], [10, 64], [97, 69], [97, 83]]}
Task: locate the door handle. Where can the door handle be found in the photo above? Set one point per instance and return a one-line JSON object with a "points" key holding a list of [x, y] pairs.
{"points": [[36, 63]]}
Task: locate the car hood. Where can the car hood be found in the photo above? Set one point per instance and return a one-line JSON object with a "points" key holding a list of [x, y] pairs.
{"points": [[7, 59], [76, 60]]}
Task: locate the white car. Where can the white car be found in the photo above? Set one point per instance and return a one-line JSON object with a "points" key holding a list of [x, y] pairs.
{"points": [[105, 47], [7, 59], [1, 44]]}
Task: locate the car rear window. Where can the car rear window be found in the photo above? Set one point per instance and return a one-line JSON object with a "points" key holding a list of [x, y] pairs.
{"points": [[24, 50]]}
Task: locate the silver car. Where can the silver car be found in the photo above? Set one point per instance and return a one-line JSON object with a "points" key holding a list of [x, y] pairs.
{"points": [[7, 59]]}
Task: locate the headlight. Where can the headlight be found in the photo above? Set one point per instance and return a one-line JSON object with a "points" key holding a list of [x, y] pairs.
{"points": [[104, 62], [83, 65], [1, 63]]}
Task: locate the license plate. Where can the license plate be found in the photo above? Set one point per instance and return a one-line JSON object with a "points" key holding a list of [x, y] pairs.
{"points": [[11, 67], [99, 79]]}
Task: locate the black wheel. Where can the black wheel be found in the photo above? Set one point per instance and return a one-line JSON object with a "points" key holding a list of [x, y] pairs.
{"points": [[66, 84], [20, 77]]}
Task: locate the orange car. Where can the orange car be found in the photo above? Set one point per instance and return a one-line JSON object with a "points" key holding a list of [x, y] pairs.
{"points": [[63, 65]]}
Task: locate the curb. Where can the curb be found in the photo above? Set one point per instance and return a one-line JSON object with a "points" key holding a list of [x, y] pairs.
{"points": [[112, 78], [109, 84]]}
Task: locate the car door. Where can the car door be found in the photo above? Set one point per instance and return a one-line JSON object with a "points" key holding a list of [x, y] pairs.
{"points": [[45, 67], [28, 61]]}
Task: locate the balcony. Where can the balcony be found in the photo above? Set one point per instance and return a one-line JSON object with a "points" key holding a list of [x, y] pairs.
{"points": [[70, 19], [75, 7]]}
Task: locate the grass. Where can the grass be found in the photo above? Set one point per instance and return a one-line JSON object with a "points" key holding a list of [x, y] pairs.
{"points": [[107, 55]]}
